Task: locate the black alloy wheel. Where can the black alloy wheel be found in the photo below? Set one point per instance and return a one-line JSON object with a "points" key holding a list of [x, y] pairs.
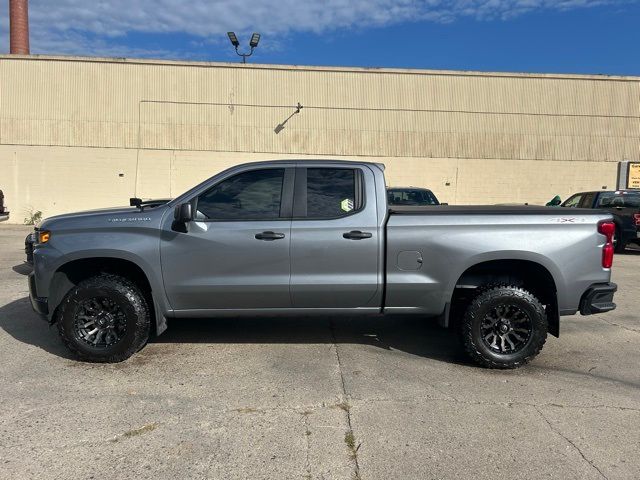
{"points": [[105, 318], [506, 329], [504, 326], [99, 322]]}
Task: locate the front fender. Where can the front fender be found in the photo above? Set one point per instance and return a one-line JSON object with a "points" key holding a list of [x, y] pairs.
{"points": [[53, 283]]}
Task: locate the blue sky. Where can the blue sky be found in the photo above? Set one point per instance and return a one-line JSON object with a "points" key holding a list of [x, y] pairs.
{"points": [[593, 40], [564, 36]]}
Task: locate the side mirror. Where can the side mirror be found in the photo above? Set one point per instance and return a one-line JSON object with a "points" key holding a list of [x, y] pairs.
{"points": [[555, 202], [444, 203], [182, 215]]}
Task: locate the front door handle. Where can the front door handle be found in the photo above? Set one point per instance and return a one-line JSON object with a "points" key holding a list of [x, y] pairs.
{"points": [[269, 236], [356, 235]]}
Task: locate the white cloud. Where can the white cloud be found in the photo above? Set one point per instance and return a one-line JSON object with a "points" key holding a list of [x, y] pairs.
{"points": [[92, 27]]}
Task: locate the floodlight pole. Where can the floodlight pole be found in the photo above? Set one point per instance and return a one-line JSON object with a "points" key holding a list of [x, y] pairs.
{"points": [[245, 55], [253, 43]]}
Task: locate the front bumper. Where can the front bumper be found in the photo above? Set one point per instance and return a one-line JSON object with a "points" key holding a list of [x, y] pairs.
{"points": [[39, 304], [598, 299]]}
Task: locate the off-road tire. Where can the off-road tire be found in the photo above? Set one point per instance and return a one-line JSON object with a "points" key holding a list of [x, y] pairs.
{"points": [[128, 298], [481, 305]]}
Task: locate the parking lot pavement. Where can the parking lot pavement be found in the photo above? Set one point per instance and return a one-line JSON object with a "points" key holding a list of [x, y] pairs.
{"points": [[377, 398]]}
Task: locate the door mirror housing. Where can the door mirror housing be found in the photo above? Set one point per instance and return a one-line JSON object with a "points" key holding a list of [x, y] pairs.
{"points": [[182, 215], [555, 201]]}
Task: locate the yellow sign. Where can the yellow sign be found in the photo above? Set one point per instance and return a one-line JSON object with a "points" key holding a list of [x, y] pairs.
{"points": [[633, 179]]}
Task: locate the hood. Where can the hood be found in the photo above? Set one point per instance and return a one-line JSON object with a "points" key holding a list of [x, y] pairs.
{"points": [[101, 215], [97, 211]]}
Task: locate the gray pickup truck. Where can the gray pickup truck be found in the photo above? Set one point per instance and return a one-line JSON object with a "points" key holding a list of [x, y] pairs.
{"points": [[317, 237]]}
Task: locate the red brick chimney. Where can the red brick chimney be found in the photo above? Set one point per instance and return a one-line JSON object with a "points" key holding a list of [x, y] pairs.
{"points": [[19, 26]]}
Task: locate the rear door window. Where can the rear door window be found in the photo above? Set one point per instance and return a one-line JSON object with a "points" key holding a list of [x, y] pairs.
{"points": [[606, 200], [587, 200], [330, 193]]}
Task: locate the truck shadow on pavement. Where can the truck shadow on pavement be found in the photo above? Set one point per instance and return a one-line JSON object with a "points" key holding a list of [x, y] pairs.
{"points": [[18, 320], [411, 335], [414, 335]]}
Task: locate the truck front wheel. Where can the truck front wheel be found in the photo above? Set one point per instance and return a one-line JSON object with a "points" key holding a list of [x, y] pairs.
{"points": [[504, 327], [104, 319]]}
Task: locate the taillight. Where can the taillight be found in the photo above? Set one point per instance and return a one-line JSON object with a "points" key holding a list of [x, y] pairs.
{"points": [[636, 217], [608, 229]]}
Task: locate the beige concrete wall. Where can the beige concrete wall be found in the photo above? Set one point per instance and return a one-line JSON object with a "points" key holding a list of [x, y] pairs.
{"points": [[63, 179], [78, 133]]}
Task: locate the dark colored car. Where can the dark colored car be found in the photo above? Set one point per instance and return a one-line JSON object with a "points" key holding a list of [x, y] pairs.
{"points": [[28, 247], [3, 213], [624, 205], [411, 196]]}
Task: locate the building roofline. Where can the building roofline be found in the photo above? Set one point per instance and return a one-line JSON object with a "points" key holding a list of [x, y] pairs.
{"points": [[369, 70]]}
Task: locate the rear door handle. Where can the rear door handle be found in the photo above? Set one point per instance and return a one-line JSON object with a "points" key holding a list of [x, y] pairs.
{"points": [[356, 235], [269, 236]]}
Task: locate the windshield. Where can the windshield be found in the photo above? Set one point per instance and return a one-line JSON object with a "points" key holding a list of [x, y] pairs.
{"points": [[411, 197]]}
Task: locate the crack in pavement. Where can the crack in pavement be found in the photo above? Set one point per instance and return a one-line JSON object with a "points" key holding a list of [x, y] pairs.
{"points": [[346, 396], [118, 437], [303, 409], [559, 433], [497, 404], [628, 329], [307, 434], [394, 364]]}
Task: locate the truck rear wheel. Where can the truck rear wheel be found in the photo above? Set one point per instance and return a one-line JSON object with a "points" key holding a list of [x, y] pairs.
{"points": [[504, 327], [104, 319]]}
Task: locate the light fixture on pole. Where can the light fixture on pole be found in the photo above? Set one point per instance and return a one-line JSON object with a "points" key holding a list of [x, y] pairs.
{"points": [[253, 43]]}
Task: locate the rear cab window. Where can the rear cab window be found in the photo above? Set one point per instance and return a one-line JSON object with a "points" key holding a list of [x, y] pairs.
{"points": [[618, 199], [633, 200]]}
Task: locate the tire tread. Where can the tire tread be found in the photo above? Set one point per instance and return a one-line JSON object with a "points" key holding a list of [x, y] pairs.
{"points": [[128, 289], [491, 293]]}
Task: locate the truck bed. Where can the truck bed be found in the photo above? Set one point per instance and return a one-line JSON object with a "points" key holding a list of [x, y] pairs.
{"points": [[487, 210], [428, 248]]}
